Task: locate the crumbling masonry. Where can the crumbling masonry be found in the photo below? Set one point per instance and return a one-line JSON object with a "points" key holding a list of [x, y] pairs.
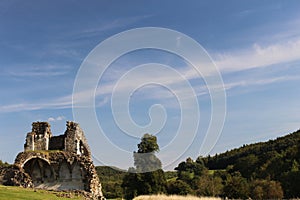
{"points": [[59, 162]]}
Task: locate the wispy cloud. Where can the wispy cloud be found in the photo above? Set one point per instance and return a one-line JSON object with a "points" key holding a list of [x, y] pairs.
{"points": [[152, 92], [59, 103], [244, 59], [262, 81], [258, 56], [38, 70], [117, 23]]}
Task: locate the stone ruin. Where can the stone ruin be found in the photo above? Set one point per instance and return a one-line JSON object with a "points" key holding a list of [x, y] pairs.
{"points": [[56, 162]]}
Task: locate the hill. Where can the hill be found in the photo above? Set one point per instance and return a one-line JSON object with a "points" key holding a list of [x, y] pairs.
{"points": [[282, 145], [260, 170], [275, 159]]}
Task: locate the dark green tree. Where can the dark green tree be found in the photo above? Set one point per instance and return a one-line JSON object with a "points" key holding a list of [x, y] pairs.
{"points": [[246, 165], [290, 183], [145, 159], [147, 177], [265, 189], [131, 183], [236, 187], [209, 185], [189, 170], [148, 144], [179, 187]]}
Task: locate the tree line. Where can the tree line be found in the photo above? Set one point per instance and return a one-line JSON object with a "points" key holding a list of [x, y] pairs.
{"points": [[265, 170]]}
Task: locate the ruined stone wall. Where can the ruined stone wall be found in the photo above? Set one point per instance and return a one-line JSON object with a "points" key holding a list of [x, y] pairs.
{"points": [[40, 143], [41, 128], [57, 142], [38, 138], [29, 144], [59, 162], [60, 170], [14, 176], [75, 140]]}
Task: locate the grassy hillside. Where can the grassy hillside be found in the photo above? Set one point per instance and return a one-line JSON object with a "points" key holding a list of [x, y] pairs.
{"points": [[18, 193]]}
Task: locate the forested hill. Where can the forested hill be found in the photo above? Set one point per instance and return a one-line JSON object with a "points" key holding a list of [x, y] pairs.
{"points": [[286, 149], [276, 160]]}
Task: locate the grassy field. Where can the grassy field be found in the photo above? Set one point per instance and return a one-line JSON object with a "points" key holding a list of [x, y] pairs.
{"points": [[18, 193], [173, 197]]}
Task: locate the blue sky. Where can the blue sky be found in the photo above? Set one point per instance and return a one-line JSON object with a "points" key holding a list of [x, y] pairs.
{"points": [[254, 44]]}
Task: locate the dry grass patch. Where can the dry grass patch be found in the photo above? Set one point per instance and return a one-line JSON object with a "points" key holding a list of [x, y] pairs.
{"points": [[173, 197]]}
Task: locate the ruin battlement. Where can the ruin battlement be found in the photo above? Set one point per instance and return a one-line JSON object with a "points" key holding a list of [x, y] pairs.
{"points": [[41, 139]]}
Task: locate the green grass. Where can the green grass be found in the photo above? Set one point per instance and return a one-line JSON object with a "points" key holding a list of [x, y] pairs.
{"points": [[18, 193]]}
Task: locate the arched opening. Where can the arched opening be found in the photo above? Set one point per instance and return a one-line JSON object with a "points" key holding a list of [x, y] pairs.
{"points": [[64, 171], [39, 170]]}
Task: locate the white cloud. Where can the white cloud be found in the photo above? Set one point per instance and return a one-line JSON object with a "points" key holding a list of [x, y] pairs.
{"points": [[259, 56], [102, 102], [59, 118], [51, 119]]}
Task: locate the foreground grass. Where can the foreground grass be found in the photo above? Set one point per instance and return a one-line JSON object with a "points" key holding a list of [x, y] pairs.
{"points": [[18, 193], [173, 197]]}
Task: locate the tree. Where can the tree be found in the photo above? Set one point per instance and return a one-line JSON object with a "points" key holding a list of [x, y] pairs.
{"points": [[236, 187], [179, 187], [258, 192], [290, 182], [189, 170], [147, 177], [246, 165], [145, 159], [266, 189], [130, 184], [209, 185], [148, 144]]}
